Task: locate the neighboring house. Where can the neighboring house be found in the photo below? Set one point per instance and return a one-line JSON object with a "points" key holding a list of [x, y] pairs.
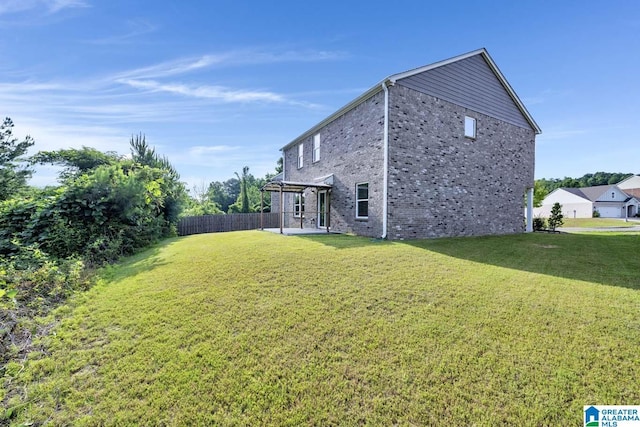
{"points": [[608, 200], [442, 150], [631, 186]]}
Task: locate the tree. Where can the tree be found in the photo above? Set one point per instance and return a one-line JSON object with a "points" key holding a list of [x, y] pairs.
{"points": [[556, 217], [224, 194], [200, 202], [13, 176], [539, 193], [242, 204], [76, 161], [175, 191]]}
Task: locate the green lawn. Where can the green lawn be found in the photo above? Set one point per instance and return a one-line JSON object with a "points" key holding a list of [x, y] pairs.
{"points": [[598, 222], [253, 328]]}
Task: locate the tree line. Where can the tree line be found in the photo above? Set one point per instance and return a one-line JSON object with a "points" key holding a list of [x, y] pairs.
{"points": [[587, 180], [239, 194], [545, 186]]}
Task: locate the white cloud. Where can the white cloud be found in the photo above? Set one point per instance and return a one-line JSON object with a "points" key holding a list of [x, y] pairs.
{"points": [[135, 29], [199, 150], [52, 6], [56, 5], [170, 68], [210, 92], [230, 58]]}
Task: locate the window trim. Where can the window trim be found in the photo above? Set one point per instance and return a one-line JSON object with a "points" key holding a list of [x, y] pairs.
{"points": [[298, 205], [316, 148], [470, 123], [358, 200], [300, 155]]}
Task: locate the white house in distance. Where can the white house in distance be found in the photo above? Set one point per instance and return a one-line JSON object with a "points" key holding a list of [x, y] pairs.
{"points": [[631, 186], [610, 201]]}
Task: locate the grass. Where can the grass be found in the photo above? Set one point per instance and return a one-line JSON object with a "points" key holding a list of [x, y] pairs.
{"points": [[251, 328], [598, 222]]}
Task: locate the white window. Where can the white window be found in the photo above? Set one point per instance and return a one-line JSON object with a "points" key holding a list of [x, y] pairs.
{"points": [[362, 200], [469, 127], [298, 205], [300, 155], [316, 147]]}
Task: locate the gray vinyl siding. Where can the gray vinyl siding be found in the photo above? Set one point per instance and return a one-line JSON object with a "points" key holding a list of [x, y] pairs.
{"points": [[472, 84]]}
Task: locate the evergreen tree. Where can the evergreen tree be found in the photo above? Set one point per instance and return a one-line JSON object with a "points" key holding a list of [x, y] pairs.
{"points": [[556, 218], [13, 176]]}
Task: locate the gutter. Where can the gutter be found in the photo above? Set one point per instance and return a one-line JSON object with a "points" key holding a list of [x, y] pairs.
{"points": [[385, 179]]}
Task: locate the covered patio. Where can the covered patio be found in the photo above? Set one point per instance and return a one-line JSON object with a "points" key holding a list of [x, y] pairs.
{"points": [[281, 187]]}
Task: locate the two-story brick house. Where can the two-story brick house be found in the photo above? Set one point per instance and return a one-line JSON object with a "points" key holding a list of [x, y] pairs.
{"points": [[442, 150]]}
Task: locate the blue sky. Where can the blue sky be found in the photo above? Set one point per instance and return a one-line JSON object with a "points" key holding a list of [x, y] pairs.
{"points": [[216, 85]]}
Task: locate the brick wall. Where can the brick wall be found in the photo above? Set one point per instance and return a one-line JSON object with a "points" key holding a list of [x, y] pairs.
{"points": [[444, 184], [351, 148]]}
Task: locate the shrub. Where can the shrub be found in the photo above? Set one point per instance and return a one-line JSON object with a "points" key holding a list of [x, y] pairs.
{"points": [[595, 214], [539, 224]]}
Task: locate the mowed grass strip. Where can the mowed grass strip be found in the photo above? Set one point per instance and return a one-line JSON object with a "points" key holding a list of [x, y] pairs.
{"points": [[600, 222], [251, 328]]}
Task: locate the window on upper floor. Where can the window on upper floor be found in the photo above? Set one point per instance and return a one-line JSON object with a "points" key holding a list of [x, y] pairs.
{"points": [[362, 200], [300, 155], [316, 147], [469, 127]]}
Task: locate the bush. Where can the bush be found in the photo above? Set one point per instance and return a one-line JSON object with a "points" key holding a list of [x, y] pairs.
{"points": [[31, 284], [595, 214], [539, 224]]}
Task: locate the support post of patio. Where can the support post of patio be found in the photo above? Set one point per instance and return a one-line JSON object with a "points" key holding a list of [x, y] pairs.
{"points": [[261, 209], [283, 187], [281, 210], [328, 220]]}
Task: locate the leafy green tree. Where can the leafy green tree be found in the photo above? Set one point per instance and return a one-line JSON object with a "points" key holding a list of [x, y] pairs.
{"points": [[175, 191], [13, 175], [76, 161], [200, 202], [225, 193], [556, 217], [539, 193]]}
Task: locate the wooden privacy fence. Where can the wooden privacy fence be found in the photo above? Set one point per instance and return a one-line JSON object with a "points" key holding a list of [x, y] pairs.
{"points": [[231, 222]]}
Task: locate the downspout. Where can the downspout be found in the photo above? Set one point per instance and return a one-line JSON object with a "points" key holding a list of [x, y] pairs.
{"points": [[385, 143]]}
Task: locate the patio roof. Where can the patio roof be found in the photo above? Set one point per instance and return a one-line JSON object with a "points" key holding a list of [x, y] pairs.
{"points": [[293, 186], [324, 183]]}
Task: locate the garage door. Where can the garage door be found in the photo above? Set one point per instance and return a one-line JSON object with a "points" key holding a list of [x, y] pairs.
{"points": [[610, 212]]}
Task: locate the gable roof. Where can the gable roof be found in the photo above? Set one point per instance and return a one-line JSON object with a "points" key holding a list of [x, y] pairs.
{"points": [[392, 79], [635, 192], [593, 193], [575, 191], [632, 182]]}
